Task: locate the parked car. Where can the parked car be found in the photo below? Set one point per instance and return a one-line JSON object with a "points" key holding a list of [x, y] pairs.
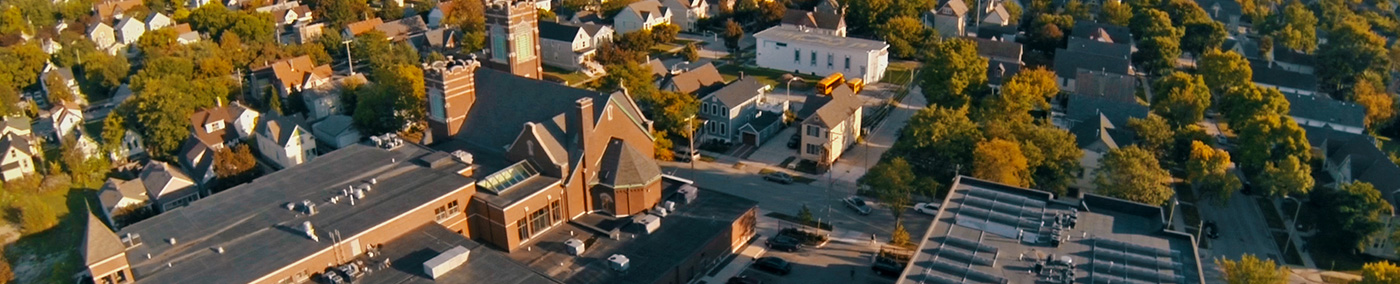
{"points": [[681, 155], [742, 279], [778, 177], [857, 203], [1211, 230], [773, 264], [926, 208], [884, 266], [784, 243], [794, 141]]}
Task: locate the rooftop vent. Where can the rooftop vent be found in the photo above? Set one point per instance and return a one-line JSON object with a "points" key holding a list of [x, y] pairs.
{"points": [[308, 207], [310, 231], [387, 141], [462, 156], [219, 250], [619, 262]]}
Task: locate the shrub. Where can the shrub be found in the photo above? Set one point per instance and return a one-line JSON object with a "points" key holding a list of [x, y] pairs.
{"points": [[807, 238]]}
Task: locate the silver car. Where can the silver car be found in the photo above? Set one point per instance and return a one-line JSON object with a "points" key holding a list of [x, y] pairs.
{"points": [[857, 203], [926, 208]]}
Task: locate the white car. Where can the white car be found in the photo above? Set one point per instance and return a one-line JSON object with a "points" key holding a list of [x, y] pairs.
{"points": [[927, 208]]}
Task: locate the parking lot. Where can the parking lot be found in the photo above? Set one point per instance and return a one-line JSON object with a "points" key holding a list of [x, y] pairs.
{"points": [[835, 263]]}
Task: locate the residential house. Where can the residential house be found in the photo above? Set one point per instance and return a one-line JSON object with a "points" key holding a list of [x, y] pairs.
{"points": [[1116, 87], [109, 10], [129, 30], [49, 46], [1102, 32], [832, 124], [168, 187], [584, 17], [1245, 46], [699, 81], [825, 6], [440, 40], [130, 147], [285, 140], [120, 197], [186, 35], [641, 15], [821, 55], [18, 159], [1268, 74], [817, 22], [290, 75], [156, 21], [1096, 53], [572, 47], [738, 113], [197, 159], [243, 118], [300, 14], [687, 12], [402, 29], [302, 34], [357, 28], [1228, 12], [17, 125], [439, 13], [1292, 60], [66, 78], [67, 120], [1100, 125], [994, 13], [210, 127], [1003, 59], [1325, 112], [325, 100], [336, 131], [949, 18], [1350, 157]]}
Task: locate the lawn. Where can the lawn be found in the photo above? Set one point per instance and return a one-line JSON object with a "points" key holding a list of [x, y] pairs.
{"points": [[772, 77], [1270, 213], [1306, 219], [48, 255], [569, 77], [1291, 255], [1332, 254], [665, 49]]}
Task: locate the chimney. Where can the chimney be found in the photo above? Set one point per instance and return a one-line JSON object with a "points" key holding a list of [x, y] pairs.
{"points": [[581, 123]]}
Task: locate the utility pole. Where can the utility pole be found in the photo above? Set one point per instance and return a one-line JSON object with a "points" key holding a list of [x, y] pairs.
{"points": [[349, 59]]}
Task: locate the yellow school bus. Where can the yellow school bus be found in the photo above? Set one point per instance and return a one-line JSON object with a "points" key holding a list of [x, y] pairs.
{"points": [[830, 82], [856, 84]]}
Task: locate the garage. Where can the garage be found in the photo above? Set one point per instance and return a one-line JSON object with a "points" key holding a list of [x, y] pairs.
{"points": [[750, 138]]}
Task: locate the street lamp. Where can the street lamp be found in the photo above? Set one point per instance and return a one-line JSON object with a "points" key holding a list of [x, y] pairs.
{"points": [[1294, 226], [1172, 214], [789, 83], [349, 59]]}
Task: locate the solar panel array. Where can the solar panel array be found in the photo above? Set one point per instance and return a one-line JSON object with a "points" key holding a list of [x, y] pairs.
{"points": [[1002, 214], [1114, 261]]}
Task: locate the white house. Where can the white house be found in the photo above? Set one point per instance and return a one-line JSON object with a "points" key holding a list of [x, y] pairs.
{"points": [[244, 119], [284, 141], [572, 47], [64, 74], [948, 18], [129, 30], [18, 157], [103, 35], [157, 21], [818, 54], [131, 146], [167, 186], [118, 195], [66, 119], [686, 12], [832, 126], [336, 131], [641, 15]]}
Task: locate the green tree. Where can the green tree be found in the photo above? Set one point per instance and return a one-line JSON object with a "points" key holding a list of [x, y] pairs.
{"points": [[390, 10], [159, 42], [805, 216], [113, 130], [953, 73], [900, 236], [1181, 98], [1251, 270], [234, 161], [1224, 70], [58, 91], [1027, 91], [633, 76], [771, 11], [665, 33], [1285, 177], [1077, 10], [1157, 55], [1352, 213], [1352, 50], [1048, 31], [1150, 23], [1013, 10], [671, 110], [105, 69], [1052, 154], [274, 102], [1132, 173], [691, 53], [865, 16], [1202, 36], [21, 65], [1001, 161], [1268, 138], [1208, 170], [938, 142], [1295, 28], [338, 13], [1153, 134], [907, 36], [892, 182], [1241, 103], [1380, 272], [12, 22], [1115, 13], [732, 34], [1182, 12]]}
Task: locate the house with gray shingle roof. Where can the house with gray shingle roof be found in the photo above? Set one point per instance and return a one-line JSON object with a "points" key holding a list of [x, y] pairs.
{"points": [[336, 131], [168, 187], [101, 245], [1269, 74], [122, 197], [641, 15], [813, 21], [1323, 111], [733, 114], [285, 140], [834, 124], [698, 81], [18, 157]]}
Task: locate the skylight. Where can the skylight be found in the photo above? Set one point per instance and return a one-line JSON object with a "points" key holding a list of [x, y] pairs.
{"points": [[501, 180]]}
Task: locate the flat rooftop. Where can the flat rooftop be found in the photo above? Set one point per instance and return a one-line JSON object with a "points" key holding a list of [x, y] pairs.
{"points": [[683, 233], [993, 233], [793, 35], [484, 264], [258, 235]]}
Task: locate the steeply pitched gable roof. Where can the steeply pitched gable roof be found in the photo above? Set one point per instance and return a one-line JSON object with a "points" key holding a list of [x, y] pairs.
{"points": [[625, 167], [161, 179], [100, 242], [279, 129], [647, 9], [1266, 72], [954, 8], [843, 105], [1095, 31], [812, 19], [16, 142], [557, 31], [738, 92], [695, 80]]}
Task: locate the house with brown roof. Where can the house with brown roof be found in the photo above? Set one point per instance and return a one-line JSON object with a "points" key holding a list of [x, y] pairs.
{"points": [[402, 29], [641, 15], [104, 253], [290, 75], [834, 124], [285, 140], [110, 10], [357, 28], [814, 21], [698, 81], [297, 15]]}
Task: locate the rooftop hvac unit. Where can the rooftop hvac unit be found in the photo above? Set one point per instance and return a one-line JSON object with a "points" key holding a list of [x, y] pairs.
{"points": [[619, 262], [575, 247], [446, 261], [649, 223], [660, 211], [669, 205], [687, 193]]}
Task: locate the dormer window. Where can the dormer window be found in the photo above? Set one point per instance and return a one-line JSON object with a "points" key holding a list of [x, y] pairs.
{"points": [[214, 126]]}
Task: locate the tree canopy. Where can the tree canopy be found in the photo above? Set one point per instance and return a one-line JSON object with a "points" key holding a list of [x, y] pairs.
{"points": [[1380, 272], [1132, 173], [1208, 169], [1001, 161], [1024, 92], [953, 73], [1223, 70], [1352, 213], [1251, 270], [907, 36], [1181, 98]]}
